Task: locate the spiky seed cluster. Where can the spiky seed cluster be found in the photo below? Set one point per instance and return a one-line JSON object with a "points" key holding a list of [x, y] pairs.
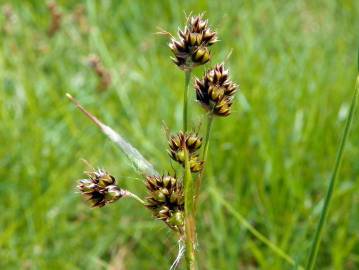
{"points": [[215, 91], [166, 200], [191, 49], [190, 141], [100, 188]]}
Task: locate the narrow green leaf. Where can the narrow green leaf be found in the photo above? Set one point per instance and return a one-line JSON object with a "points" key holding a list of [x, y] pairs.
{"points": [[277, 250], [190, 226], [328, 197], [139, 162]]}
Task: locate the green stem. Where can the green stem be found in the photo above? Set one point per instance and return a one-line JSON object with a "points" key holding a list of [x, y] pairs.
{"points": [[134, 196], [317, 237], [208, 134], [204, 156], [185, 100], [190, 225]]}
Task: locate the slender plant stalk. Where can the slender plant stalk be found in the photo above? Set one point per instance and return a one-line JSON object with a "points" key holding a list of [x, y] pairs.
{"points": [[134, 196], [204, 156], [317, 237], [208, 134], [185, 100], [190, 225]]}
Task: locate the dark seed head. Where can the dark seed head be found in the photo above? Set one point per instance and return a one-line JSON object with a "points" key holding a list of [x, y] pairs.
{"points": [[100, 188], [166, 200], [215, 91], [189, 141], [191, 49]]}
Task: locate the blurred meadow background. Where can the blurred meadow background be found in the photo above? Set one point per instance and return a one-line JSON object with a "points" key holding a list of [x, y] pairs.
{"points": [[295, 62]]}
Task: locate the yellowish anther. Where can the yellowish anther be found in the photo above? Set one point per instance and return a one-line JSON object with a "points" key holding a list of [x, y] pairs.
{"points": [[192, 38], [177, 219], [216, 92], [180, 155], [159, 196], [206, 57], [199, 54]]}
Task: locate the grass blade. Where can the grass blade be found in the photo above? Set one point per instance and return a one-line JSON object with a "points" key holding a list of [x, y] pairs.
{"points": [[277, 250], [204, 158], [318, 233]]}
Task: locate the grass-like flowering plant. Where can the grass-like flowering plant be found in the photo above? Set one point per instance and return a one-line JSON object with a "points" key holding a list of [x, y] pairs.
{"points": [[173, 198]]}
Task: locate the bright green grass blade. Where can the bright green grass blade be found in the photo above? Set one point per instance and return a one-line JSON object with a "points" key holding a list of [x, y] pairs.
{"points": [[277, 250], [318, 233], [131, 152]]}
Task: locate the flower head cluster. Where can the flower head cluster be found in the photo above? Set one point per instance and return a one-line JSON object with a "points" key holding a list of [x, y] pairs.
{"points": [[167, 193], [100, 188], [166, 200], [215, 91], [190, 141], [191, 49]]}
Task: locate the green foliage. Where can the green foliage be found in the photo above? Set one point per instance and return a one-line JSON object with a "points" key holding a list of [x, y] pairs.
{"points": [[271, 159]]}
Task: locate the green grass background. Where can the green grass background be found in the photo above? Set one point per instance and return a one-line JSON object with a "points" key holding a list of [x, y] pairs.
{"points": [[295, 62]]}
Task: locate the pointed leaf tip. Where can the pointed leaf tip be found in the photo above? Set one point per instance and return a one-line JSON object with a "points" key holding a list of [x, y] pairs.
{"points": [[140, 163]]}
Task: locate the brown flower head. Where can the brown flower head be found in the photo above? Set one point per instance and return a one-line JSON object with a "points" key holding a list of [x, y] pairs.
{"points": [[190, 141], [215, 91], [191, 49], [166, 200], [103, 75], [100, 188], [56, 18]]}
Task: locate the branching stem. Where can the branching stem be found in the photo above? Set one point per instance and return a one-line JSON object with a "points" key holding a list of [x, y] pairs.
{"points": [[208, 134], [134, 196], [204, 156]]}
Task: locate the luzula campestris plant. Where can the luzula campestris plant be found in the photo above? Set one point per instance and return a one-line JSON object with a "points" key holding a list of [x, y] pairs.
{"points": [[170, 198]]}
